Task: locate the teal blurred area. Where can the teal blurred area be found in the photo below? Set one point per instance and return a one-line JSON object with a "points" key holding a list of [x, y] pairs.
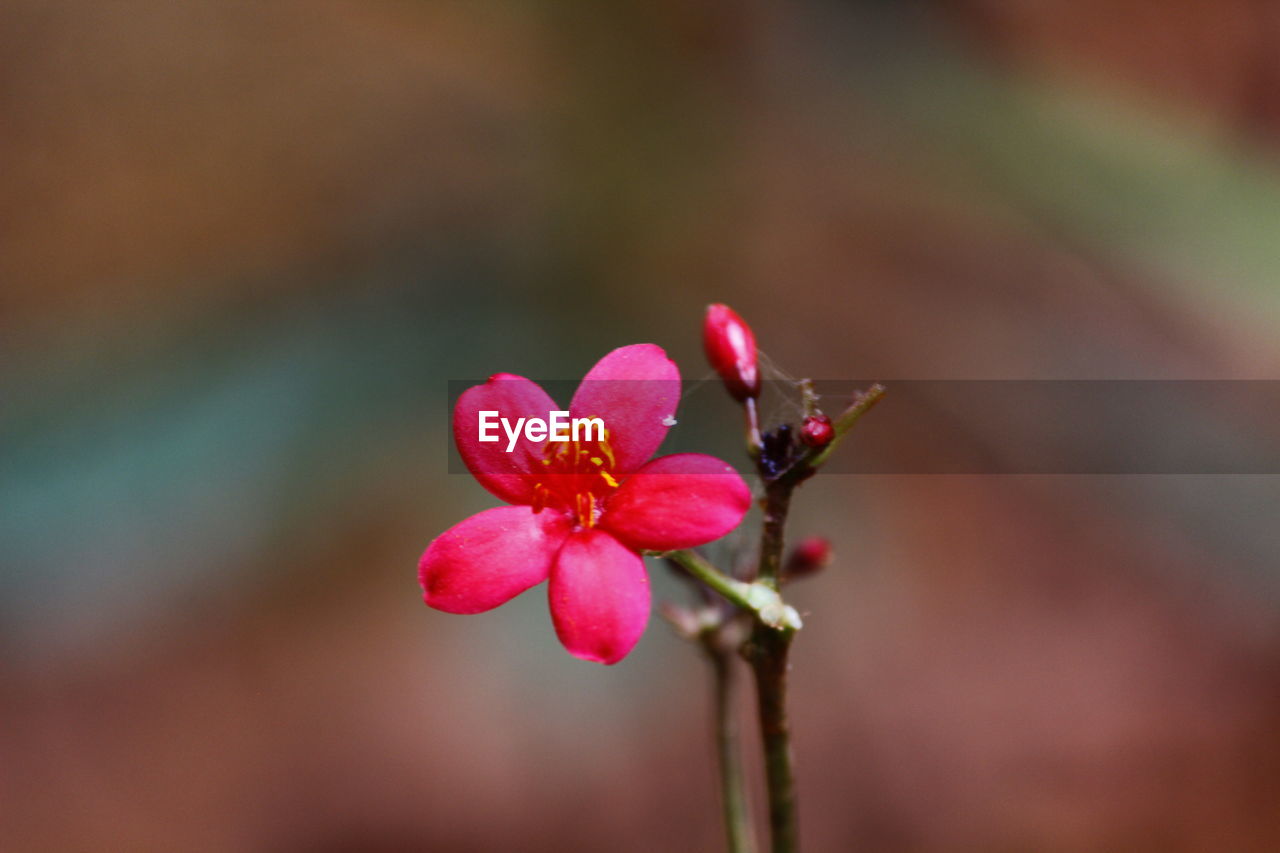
{"points": [[210, 444], [244, 248]]}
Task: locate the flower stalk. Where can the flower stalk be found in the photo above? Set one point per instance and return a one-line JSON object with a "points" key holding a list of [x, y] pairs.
{"points": [[751, 415], [757, 598], [767, 652], [784, 458], [733, 796]]}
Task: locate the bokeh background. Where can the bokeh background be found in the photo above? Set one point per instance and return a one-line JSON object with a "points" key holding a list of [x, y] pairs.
{"points": [[244, 247]]}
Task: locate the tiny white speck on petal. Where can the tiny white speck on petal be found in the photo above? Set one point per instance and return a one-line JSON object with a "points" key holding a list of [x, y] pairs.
{"points": [[669, 420]]}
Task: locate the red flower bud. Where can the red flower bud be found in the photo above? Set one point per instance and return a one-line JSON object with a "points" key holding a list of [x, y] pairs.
{"points": [[731, 349], [817, 431], [809, 557]]}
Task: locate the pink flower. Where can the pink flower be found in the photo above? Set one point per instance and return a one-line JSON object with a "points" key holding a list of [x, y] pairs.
{"points": [[581, 512]]}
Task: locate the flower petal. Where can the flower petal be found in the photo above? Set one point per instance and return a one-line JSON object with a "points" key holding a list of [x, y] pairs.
{"points": [[635, 390], [599, 595], [677, 501], [490, 558], [506, 475]]}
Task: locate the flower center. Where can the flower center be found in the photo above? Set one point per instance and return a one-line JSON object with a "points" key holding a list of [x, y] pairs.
{"points": [[577, 478]]}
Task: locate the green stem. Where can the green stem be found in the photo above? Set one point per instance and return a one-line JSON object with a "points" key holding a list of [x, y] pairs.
{"points": [[769, 646], [777, 502], [752, 415], [733, 798], [767, 651], [735, 591], [759, 599]]}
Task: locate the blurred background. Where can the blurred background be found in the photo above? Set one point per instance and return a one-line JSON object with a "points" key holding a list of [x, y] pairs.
{"points": [[244, 247]]}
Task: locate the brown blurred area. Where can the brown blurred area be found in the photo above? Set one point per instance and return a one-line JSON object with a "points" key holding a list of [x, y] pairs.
{"points": [[243, 246]]}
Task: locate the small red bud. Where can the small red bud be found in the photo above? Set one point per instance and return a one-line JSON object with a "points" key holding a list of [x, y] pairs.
{"points": [[731, 348], [817, 431], [809, 557]]}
